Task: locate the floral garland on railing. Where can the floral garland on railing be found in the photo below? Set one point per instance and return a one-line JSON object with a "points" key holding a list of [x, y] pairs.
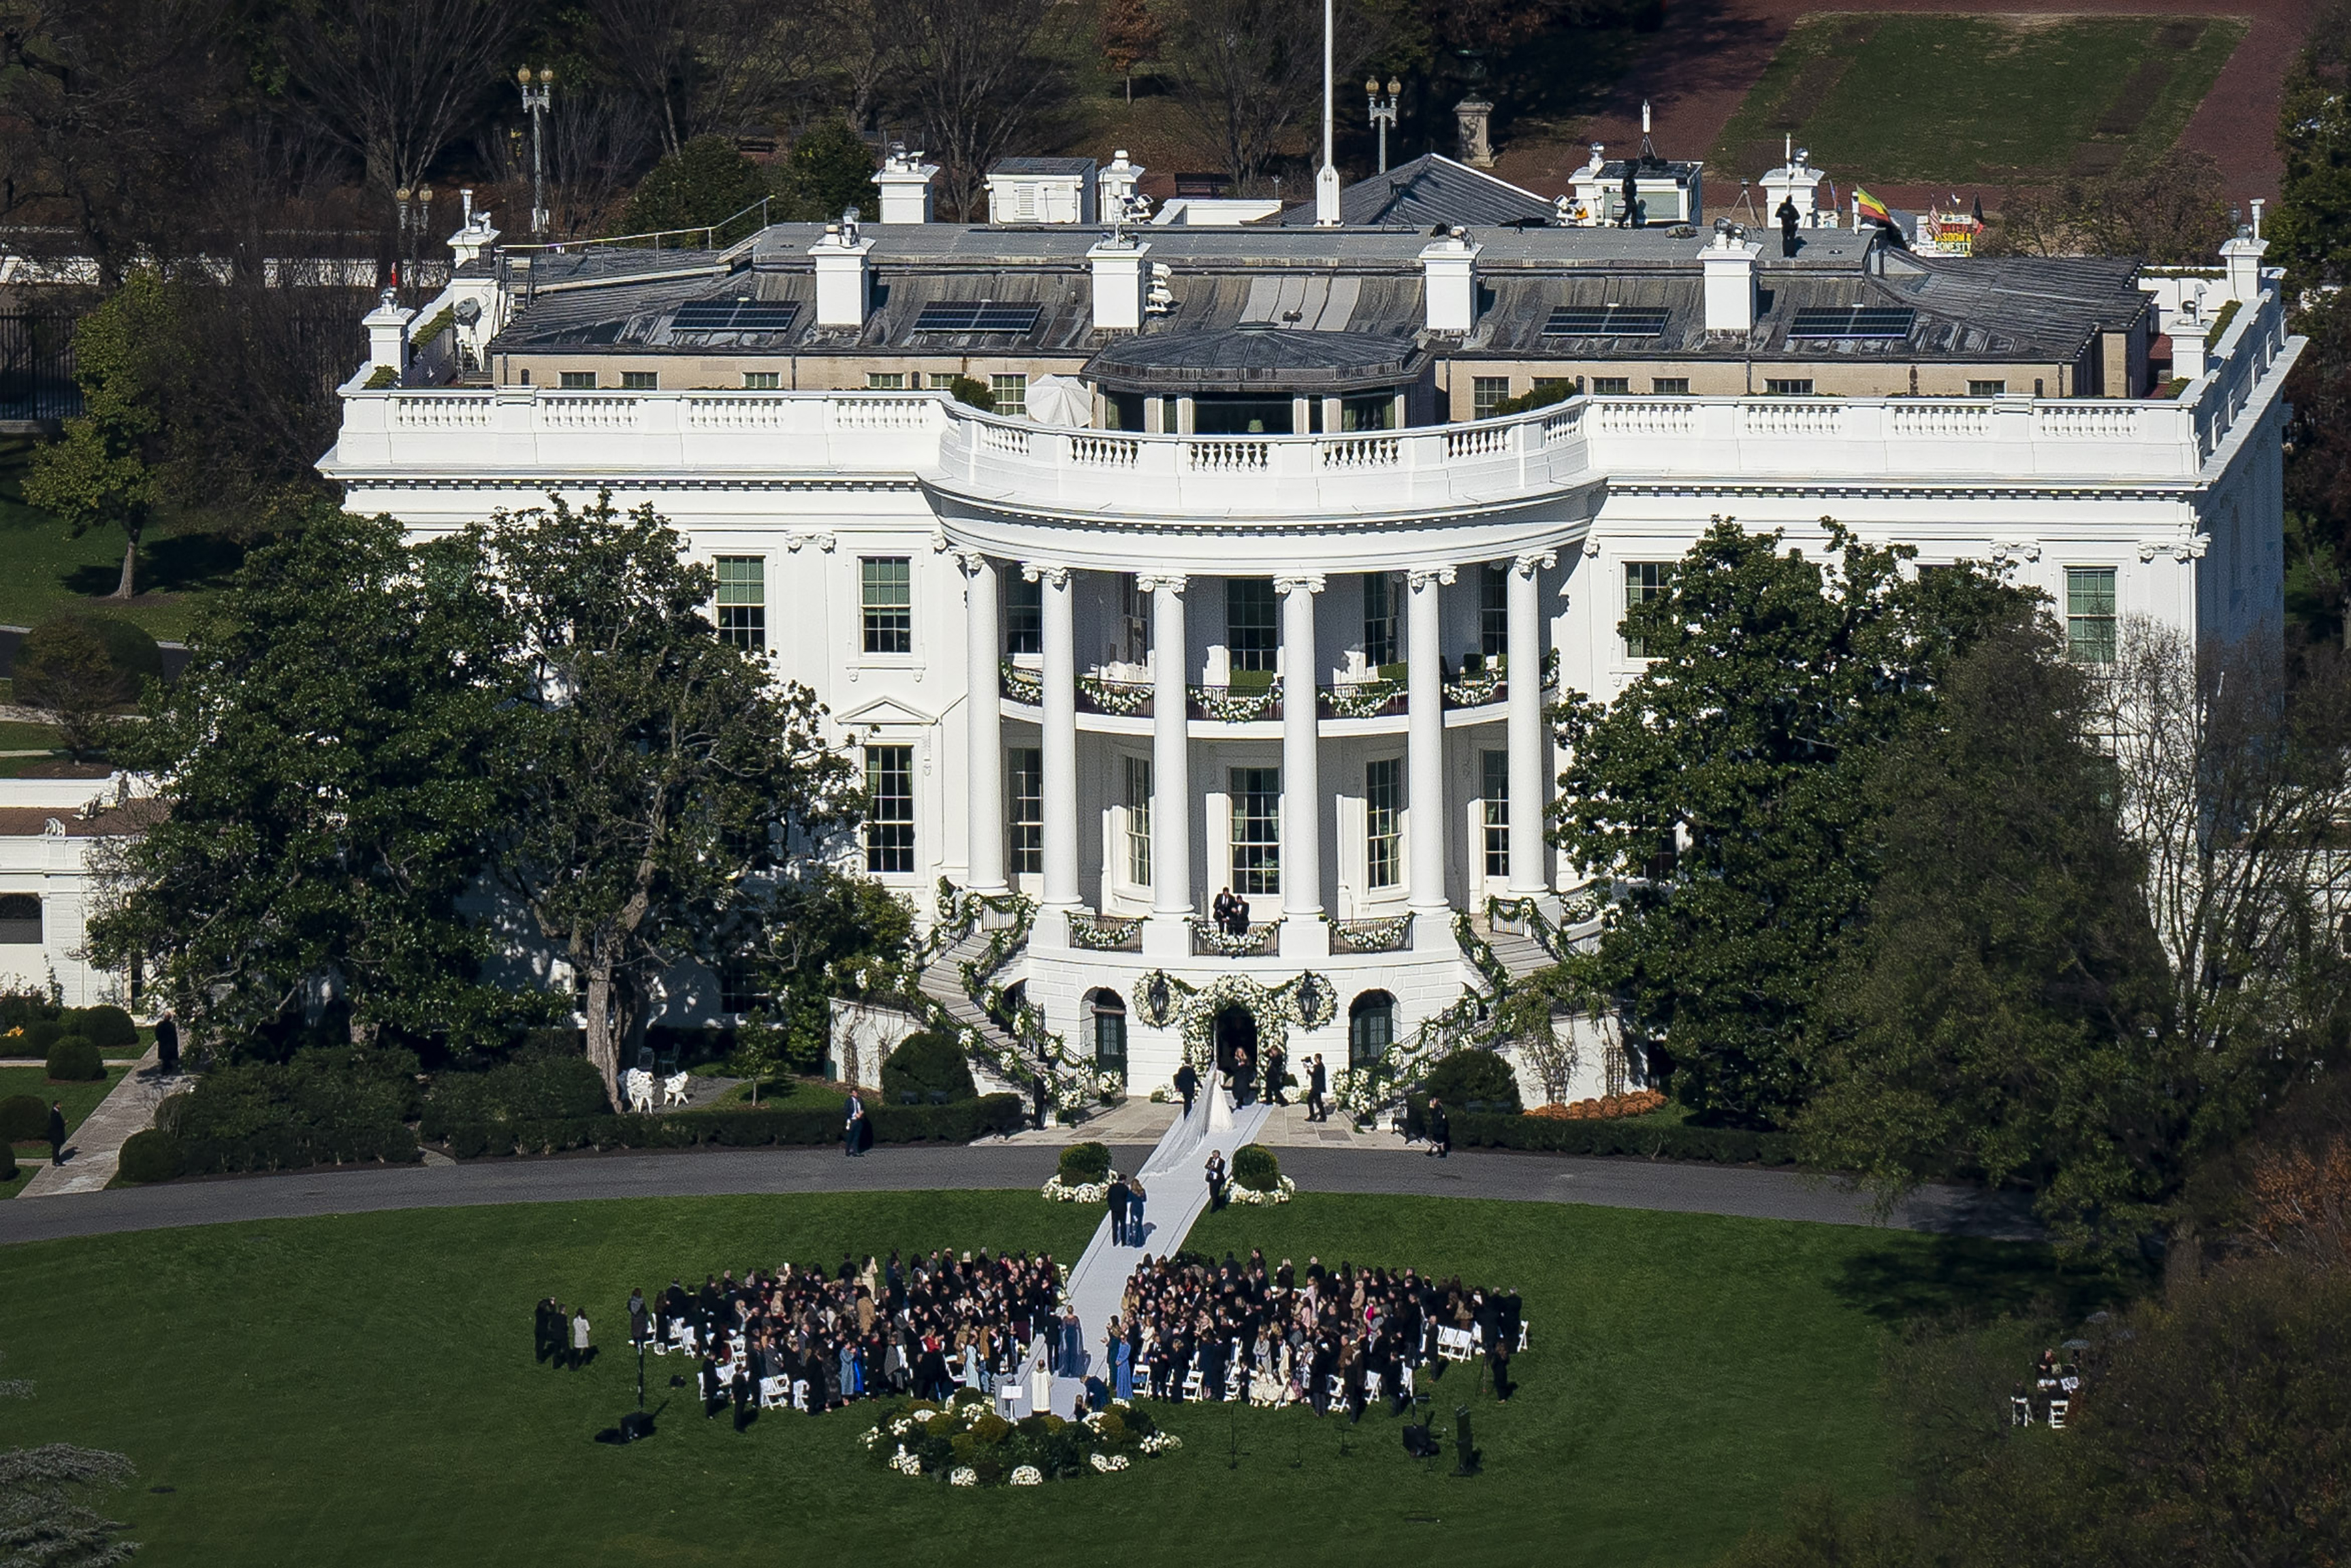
{"points": [[1476, 690], [1235, 706], [1115, 697], [1022, 685], [1040, 1053], [1104, 933], [1386, 934], [1305, 1001], [1259, 941], [1363, 699], [1364, 1092]]}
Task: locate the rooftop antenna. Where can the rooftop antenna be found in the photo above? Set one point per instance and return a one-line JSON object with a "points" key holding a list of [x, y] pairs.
{"points": [[1646, 150], [1326, 178]]}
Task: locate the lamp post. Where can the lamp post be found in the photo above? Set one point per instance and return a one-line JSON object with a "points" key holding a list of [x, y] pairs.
{"points": [[534, 103], [1383, 112], [415, 216]]}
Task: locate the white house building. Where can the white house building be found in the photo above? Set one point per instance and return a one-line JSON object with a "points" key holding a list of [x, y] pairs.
{"points": [[50, 830], [1268, 595]]}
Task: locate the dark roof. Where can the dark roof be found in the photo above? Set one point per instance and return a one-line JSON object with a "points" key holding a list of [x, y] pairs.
{"points": [[1430, 190], [1041, 166], [115, 822], [1256, 359]]}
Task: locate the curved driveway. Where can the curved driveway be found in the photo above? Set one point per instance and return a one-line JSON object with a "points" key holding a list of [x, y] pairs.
{"points": [[1531, 1178]]}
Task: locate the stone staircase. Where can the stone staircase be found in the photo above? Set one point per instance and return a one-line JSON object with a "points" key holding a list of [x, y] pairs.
{"points": [[1521, 955], [942, 981]]}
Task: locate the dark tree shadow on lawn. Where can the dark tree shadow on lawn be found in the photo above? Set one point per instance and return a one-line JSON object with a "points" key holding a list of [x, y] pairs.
{"points": [[169, 563], [1954, 1276]]}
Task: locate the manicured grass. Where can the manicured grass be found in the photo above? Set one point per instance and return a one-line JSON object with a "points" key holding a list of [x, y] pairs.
{"points": [[360, 1390], [50, 571], [1970, 99], [77, 1099], [18, 737]]}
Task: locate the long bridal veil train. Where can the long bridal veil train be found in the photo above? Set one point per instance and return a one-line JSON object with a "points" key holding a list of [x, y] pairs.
{"points": [[1211, 1113]]}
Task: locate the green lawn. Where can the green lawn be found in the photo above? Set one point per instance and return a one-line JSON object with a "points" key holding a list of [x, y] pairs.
{"points": [[50, 572], [79, 1100], [1977, 99], [360, 1390]]}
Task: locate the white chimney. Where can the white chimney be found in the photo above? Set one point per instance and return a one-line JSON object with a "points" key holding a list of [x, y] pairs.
{"points": [[1729, 282], [1119, 280], [387, 330], [2242, 257], [1449, 270], [905, 182], [469, 242], [844, 290]]}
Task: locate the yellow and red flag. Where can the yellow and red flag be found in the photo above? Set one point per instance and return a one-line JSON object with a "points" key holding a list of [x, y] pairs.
{"points": [[1869, 208]]}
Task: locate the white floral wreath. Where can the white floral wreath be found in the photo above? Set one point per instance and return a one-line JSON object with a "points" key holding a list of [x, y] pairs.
{"points": [[1305, 1001]]}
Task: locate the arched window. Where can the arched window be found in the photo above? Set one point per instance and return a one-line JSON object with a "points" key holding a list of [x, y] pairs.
{"points": [[1371, 1028], [1109, 1019], [20, 917]]}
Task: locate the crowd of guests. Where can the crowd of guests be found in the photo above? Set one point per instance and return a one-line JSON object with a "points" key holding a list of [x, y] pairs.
{"points": [[925, 1325], [2054, 1390], [1319, 1337]]}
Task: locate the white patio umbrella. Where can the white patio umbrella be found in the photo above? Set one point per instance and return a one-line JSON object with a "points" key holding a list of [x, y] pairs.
{"points": [[1060, 400]]}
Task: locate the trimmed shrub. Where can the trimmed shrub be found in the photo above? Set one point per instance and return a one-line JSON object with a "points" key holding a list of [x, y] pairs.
{"points": [[23, 1118], [40, 1034], [924, 1064], [537, 1088], [1085, 1162], [792, 1127], [7, 1162], [1473, 1075], [105, 1026], [1642, 1139], [1255, 1168], [151, 1156], [74, 1059]]}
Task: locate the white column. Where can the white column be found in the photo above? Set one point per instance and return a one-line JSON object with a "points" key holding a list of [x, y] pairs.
{"points": [[1060, 744], [984, 787], [1171, 750], [1301, 788], [1529, 746], [1425, 748]]}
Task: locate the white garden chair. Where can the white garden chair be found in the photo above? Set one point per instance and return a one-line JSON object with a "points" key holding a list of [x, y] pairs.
{"points": [[1192, 1383], [2057, 1409], [2020, 1410], [673, 1089]]}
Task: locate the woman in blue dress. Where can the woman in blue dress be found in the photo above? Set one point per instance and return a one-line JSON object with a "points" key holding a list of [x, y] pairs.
{"points": [[1122, 1363]]}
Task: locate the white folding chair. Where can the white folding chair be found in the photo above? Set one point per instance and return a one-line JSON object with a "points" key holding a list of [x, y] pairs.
{"points": [[2057, 1409], [772, 1391], [2020, 1410], [1522, 1333], [1192, 1383], [1334, 1392], [1371, 1388], [800, 1393]]}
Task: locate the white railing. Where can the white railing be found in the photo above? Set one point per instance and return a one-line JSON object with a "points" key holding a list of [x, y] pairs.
{"points": [[1218, 479]]}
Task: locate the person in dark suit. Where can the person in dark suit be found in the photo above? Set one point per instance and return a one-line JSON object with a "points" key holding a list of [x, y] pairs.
{"points": [[1216, 1173], [1277, 1073], [1318, 1085], [852, 1126], [543, 1334], [1188, 1084], [1788, 216], [746, 1404], [640, 1318], [57, 1132], [167, 1045], [714, 1391], [1440, 1129], [1121, 1194]]}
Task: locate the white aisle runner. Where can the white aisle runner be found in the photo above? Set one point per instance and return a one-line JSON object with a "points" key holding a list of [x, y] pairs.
{"points": [[1176, 1184]]}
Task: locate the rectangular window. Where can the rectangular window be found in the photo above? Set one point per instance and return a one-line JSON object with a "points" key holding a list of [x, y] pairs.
{"points": [[889, 604], [1024, 615], [1379, 620], [742, 601], [762, 380], [1644, 581], [1257, 830], [1373, 411], [1670, 386], [1493, 611], [1011, 394], [1494, 806], [1611, 386], [1138, 820], [1252, 622], [641, 380], [885, 380], [740, 989], [2090, 613], [944, 380], [890, 809], [1987, 389], [1025, 765], [1485, 392], [1383, 823], [1788, 386], [579, 381]]}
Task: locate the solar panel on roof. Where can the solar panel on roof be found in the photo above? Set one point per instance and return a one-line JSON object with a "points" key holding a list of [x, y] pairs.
{"points": [[1604, 321], [975, 316], [734, 316], [1853, 321]]}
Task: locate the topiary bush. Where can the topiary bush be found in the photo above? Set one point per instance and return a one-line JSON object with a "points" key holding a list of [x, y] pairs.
{"points": [[1083, 1163], [1255, 1168], [924, 1064], [152, 1155], [105, 1026], [74, 1059], [1473, 1075], [24, 1119], [39, 1035]]}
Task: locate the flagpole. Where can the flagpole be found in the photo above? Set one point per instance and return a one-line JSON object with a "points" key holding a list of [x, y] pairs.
{"points": [[1326, 178]]}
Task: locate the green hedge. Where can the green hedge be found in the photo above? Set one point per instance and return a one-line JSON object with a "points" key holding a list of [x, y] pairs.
{"points": [[7, 1162], [805, 1126], [540, 1088], [1085, 1162], [23, 1118], [74, 1059], [924, 1064], [105, 1026], [1626, 1136], [1472, 1074], [151, 1156], [1255, 1167], [287, 1148]]}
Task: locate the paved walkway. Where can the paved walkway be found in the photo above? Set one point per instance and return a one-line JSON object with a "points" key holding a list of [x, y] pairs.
{"points": [[94, 1152], [1486, 1174], [1139, 1121]]}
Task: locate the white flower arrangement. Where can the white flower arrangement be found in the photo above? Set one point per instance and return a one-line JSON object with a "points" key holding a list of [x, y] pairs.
{"points": [[1107, 1463], [872, 1436], [1283, 1193], [905, 1463], [1028, 1476], [963, 1476], [1160, 1443], [1109, 1085], [1233, 705], [1081, 1191]]}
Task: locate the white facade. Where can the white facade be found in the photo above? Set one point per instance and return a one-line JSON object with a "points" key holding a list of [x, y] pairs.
{"points": [[1059, 681], [50, 831]]}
